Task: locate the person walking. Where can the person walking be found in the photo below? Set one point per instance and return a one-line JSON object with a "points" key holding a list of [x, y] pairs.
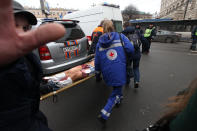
{"points": [[194, 39], [136, 40], [135, 36], [110, 61], [98, 31], [150, 32], [128, 30], [20, 75]]}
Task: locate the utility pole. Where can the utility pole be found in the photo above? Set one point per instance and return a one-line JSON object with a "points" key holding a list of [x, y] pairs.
{"points": [[186, 6]]}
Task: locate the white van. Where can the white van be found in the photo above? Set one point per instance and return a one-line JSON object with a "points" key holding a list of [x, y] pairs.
{"points": [[91, 18]]}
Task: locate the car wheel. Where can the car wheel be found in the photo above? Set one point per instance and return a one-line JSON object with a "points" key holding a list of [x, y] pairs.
{"points": [[168, 40]]}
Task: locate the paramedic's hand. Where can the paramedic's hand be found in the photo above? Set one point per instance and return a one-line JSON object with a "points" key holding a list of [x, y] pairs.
{"points": [[12, 44]]}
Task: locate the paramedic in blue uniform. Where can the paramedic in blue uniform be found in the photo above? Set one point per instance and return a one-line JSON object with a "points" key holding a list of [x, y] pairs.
{"points": [[110, 61], [20, 75]]}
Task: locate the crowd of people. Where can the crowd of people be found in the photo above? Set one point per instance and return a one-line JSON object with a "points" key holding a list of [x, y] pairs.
{"points": [[21, 73]]}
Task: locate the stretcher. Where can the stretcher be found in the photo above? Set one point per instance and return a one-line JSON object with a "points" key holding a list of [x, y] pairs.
{"points": [[54, 93]]}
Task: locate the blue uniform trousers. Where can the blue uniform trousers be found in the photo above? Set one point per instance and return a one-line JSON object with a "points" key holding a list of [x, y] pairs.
{"points": [[115, 98]]}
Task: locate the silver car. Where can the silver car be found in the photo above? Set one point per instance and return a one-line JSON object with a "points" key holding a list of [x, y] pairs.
{"points": [[167, 36], [69, 51]]}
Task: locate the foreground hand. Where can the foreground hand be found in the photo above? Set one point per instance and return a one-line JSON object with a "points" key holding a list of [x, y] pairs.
{"points": [[14, 45]]}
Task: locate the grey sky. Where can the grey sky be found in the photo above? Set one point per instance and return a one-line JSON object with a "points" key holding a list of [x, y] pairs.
{"points": [[143, 5]]}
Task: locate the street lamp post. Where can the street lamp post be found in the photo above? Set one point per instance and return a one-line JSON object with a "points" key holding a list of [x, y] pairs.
{"points": [[186, 6]]}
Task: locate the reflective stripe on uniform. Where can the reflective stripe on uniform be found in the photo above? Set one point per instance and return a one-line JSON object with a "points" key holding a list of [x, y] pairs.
{"points": [[117, 100], [112, 46], [116, 41], [104, 112]]}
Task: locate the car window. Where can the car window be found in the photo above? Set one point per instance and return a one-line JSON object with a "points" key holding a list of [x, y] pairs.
{"points": [[166, 32], [72, 33], [159, 32]]}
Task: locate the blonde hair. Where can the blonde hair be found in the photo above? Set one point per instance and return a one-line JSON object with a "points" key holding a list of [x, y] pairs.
{"points": [[108, 26]]}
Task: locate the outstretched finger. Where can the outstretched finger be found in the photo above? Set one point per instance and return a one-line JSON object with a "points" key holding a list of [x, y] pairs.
{"points": [[40, 36]]}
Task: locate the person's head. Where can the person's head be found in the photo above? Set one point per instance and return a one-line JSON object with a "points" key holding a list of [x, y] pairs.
{"points": [[101, 24], [179, 102], [137, 26], [151, 26], [23, 19], [108, 26], [126, 24]]}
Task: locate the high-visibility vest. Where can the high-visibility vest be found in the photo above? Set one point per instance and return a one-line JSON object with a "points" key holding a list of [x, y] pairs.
{"points": [[147, 33], [196, 33]]}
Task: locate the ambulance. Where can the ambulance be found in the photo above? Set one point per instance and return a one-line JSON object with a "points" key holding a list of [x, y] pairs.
{"points": [[91, 18]]}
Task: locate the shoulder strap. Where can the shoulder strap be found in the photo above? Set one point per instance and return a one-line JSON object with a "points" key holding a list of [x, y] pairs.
{"points": [[122, 45]]}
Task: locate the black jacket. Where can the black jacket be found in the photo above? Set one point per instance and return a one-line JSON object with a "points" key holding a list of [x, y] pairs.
{"points": [[194, 32], [20, 94]]}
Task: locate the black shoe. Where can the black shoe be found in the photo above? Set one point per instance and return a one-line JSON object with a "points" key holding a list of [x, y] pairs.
{"points": [[118, 105], [136, 85], [101, 120]]}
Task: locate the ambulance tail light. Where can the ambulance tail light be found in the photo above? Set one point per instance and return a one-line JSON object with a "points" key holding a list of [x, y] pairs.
{"points": [[44, 53], [89, 38], [88, 42]]}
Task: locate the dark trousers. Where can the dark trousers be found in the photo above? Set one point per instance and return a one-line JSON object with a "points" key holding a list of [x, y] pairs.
{"points": [[145, 44], [147, 48], [136, 71], [194, 41]]}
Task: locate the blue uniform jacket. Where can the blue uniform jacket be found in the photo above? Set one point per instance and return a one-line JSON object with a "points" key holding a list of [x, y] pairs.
{"points": [[110, 58]]}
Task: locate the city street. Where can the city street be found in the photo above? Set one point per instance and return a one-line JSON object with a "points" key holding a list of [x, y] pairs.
{"points": [[168, 69]]}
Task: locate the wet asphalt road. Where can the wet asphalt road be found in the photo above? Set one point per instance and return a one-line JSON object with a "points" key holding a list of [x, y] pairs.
{"points": [[166, 70]]}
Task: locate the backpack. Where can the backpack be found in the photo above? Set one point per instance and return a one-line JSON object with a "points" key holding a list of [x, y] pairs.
{"points": [[134, 38]]}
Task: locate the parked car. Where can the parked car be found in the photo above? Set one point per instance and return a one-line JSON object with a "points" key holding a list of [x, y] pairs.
{"points": [[167, 36], [69, 51]]}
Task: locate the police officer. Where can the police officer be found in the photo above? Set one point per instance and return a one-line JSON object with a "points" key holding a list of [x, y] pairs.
{"points": [[20, 80], [194, 39], [98, 31], [150, 32], [110, 60]]}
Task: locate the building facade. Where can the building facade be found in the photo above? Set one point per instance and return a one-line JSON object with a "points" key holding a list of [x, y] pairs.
{"points": [[55, 13], [138, 15], [178, 9]]}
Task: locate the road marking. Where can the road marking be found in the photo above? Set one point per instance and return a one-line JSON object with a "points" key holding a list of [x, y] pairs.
{"points": [[192, 53]]}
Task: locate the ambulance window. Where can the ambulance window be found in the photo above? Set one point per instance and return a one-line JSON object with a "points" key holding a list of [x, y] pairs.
{"points": [[118, 26]]}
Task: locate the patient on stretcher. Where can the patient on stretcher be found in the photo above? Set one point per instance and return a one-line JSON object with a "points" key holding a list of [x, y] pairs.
{"points": [[73, 74]]}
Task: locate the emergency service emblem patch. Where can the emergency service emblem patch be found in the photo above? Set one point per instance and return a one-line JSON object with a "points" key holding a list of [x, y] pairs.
{"points": [[111, 54]]}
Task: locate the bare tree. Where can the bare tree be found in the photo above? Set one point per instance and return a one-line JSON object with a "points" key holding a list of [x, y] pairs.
{"points": [[130, 12]]}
